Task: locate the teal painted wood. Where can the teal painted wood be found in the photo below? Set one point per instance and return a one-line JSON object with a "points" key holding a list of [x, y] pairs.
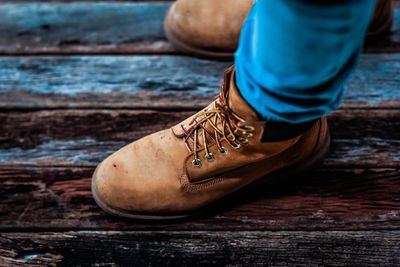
{"points": [[86, 137], [158, 82], [80, 27], [101, 27], [85, 1], [365, 152]]}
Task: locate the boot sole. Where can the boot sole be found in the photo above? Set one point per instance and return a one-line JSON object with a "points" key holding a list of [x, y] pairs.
{"points": [[194, 51], [321, 151]]}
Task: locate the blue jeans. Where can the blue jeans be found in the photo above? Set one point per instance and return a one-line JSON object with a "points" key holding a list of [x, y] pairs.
{"points": [[294, 56]]}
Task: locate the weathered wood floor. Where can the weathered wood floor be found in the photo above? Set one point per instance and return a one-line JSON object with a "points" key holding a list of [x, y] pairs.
{"points": [[79, 80]]}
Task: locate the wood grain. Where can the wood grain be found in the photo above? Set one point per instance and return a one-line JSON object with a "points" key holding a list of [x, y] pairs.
{"points": [[157, 82], [61, 115], [58, 198], [103, 28], [85, 137], [252, 248], [48, 157], [31, 128]]}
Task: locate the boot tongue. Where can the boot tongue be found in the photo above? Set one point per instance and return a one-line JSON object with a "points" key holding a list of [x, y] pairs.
{"points": [[236, 102]]}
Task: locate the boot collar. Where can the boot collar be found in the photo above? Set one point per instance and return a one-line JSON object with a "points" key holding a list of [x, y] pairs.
{"points": [[236, 103]]}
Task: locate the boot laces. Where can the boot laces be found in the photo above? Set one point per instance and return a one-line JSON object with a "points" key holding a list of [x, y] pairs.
{"points": [[224, 124]]}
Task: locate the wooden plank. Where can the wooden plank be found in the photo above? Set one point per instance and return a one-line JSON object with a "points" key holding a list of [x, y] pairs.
{"points": [[88, 152], [86, 137], [103, 27], [54, 198], [86, 1], [252, 248], [166, 82], [29, 129], [48, 157]]}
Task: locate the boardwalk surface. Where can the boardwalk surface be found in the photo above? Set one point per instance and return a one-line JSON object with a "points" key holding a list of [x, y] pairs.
{"points": [[79, 80]]}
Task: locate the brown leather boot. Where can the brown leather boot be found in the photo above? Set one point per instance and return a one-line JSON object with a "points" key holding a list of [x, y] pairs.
{"points": [[206, 28], [211, 28], [181, 171]]}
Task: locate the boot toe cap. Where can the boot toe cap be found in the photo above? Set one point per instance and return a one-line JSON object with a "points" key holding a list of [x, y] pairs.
{"points": [[136, 180], [108, 184]]}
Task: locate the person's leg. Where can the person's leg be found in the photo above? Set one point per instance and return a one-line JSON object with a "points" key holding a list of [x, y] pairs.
{"points": [[191, 34], [178, 172], [295, 55]]}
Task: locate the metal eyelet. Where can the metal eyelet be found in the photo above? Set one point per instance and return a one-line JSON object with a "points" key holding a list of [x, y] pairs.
{"points": [[210, 157], [243, 140], [249, 128], [196, 163], [247, 134], [223, 151], [236, 145]]}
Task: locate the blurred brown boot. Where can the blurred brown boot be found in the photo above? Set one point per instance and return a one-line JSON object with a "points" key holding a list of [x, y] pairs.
{"points": [[211, 28], [206, 28]]}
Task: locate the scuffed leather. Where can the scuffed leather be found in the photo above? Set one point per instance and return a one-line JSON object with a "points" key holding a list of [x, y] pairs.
{"points": [[154, 175]]}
